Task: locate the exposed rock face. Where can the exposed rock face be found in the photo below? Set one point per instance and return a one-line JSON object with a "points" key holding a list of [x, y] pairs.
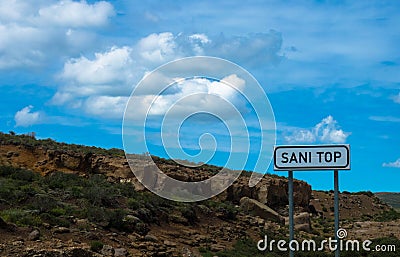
{"points": [[116, 167], [259, 209], [271, 190]]}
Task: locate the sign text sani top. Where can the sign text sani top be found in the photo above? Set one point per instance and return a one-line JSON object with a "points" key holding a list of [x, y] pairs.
{"points": [[314, 157]]}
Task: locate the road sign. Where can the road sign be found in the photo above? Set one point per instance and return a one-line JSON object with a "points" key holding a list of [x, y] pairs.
{"points": [[312, 157]]}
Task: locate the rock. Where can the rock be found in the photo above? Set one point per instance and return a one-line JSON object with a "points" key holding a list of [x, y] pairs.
{"points": [[302, 222], [303, 227], [11, 154], [107, 250], [259, 209], [217, 248], [271, 191], [151, 238], [132, 219], [302, 218], [78, 252], [71, 162], [169, 243], [82, 223], [61, 230], [3, 224], [120, 252], [34, 235]]}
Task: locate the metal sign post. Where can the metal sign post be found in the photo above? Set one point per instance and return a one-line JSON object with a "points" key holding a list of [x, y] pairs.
{"points": [[312, 157], [291, 210], [336, 186]]}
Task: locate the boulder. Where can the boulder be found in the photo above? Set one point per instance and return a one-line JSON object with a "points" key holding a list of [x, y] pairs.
{"points": [[34, 235], [302, 222], [151, 238], [120, 252], [259, 209], [271, 191], [107, 250]]}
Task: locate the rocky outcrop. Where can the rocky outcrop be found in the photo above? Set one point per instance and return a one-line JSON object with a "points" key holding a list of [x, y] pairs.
{"points": [[46, 161], [271, 191], [256, 208]]}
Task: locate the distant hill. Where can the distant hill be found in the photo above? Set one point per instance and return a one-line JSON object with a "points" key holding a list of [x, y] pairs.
{"points": [[392, 199]]}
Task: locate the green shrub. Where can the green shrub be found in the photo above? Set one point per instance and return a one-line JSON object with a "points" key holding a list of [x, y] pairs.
{"points": [[55, 221], [133, 204], [367, 193], [388, 216], [58, 211], [43, 203], [101, 195], [61, 180], [96, 246], [23, 175], [228, 210], [6, 171], [189, 213], [21, 217]]}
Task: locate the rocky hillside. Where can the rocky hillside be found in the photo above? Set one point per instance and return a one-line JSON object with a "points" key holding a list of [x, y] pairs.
{"points": [[69, 200], [47, 156], [393, 199]]}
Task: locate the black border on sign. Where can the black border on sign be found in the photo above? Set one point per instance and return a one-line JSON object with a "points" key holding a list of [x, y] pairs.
{"points": [[346, 167]]}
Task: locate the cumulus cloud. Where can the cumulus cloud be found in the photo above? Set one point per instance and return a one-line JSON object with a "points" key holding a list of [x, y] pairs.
{"points": [[395, 164], [106, 69], [105, 106], [326, 131], [77, 14], [193, 95], [157, 48], [25, 117], [301, 136], [35, 33], [114, 72]]}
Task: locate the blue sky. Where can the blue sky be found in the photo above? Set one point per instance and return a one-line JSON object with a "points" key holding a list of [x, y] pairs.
{"points": [[330, 70]]}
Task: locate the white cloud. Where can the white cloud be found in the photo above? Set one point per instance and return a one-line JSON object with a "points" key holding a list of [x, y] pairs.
{"points": [[105, 106], [77, 14], [395, 164], [193, 95], [108, 68], [385, 118], [325, 131], [37, 33], [199, 41], [157, 48], [396, 98], [25, 117], [115, 71], [301, 136], [202, 38]]}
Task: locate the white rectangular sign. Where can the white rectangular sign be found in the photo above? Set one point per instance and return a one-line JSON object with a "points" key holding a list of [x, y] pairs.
{"points": [[312, 157]]}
